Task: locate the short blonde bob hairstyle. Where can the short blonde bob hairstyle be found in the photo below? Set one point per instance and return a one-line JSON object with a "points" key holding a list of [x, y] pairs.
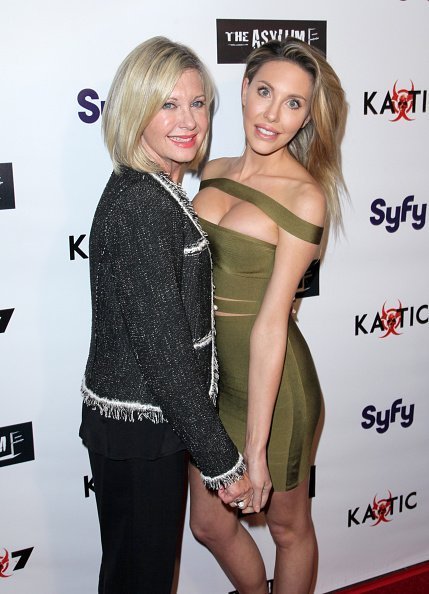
{"points": [[142, 84], [317, 146]]}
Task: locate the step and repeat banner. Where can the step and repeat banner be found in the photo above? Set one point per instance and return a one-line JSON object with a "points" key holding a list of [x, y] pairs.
{"points": [[364, 313]]}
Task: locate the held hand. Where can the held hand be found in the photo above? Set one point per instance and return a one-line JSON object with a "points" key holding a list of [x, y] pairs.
{"points": [[261, 482], [238, 494]]}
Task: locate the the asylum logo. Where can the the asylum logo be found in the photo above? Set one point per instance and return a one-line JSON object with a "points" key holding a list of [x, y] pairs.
{"points": [[391, 321], [392, 217], [91, 104], [383, 419], [16, 444], [236, 38], [381, 510], [7, 191], [402, 103], [5, 315], [13, 561]]}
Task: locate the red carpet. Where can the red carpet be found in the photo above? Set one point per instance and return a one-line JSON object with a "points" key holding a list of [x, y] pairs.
{"points": [[411, 580]]}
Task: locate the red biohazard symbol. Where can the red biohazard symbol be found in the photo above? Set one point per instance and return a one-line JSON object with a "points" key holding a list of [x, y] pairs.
{"points": [[391, 319], [381, 509], [403, 101], [4, 564]]}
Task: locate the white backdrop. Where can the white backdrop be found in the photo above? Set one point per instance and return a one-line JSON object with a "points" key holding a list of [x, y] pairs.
{"points": [[49, 52]]}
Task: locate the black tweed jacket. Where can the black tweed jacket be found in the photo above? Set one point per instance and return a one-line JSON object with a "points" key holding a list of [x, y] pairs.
{"points": [[152, 352]]}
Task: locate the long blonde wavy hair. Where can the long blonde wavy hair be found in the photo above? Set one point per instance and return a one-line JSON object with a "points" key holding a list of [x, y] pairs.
{"points": [[317, 145]]}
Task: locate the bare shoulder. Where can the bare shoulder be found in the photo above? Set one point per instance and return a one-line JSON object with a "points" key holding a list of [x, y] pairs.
{"points": [[308, 202], [301, 194]]}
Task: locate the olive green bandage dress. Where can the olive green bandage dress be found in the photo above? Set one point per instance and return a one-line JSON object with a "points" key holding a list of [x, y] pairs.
{"points": [[242, 267]]}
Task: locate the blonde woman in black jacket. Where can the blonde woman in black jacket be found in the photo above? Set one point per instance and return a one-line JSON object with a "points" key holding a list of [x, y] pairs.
{"points": [[150, 383]]}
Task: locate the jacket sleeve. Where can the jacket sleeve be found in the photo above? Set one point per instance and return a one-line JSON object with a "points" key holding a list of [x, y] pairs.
{"points": [[146, 251]]}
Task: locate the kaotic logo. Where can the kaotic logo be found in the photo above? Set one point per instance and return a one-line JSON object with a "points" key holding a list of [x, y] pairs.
{"points": [[88, 485], [5, 315], [7, 567], [7, 192], [393, 216], [236, 38], [90, 101], [381, 510], [74, 247], [16, 444], [383, 419], [391, 320], [309, 285], [401, 103]]}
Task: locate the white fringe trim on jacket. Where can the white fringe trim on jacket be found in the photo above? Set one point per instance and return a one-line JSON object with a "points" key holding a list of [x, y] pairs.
{"points": [[122, 411], [197, 247], [227, 478], [204, 341]]}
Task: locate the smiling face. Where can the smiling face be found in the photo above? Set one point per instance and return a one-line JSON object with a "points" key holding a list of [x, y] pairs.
{"points": [[276, 105], [176, 132]]}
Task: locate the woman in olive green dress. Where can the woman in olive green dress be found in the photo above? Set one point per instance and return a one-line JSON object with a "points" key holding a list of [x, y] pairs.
{"points": [[264, 214]]}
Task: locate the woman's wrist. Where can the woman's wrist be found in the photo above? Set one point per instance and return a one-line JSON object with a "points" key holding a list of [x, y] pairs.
{"points": [[254, 451]]}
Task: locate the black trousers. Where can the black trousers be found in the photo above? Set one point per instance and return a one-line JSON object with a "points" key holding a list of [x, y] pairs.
{"points": [[140, 508]]}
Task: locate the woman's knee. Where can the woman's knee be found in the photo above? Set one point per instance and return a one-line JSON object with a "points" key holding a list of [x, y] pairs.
{"points": [[286, 533], [210, 520], [201, 530], [209, 528]]}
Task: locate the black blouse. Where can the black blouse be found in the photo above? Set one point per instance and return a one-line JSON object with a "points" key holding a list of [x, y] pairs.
{"points": [[121, 440]]}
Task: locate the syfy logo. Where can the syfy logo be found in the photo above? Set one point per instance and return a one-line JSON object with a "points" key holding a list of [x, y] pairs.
{"points": [[7, 567], [400, 103], [393, 216], [7, 191], [16, 444], [236, 38], [381, 510], [391, 320], [89, 100], [383, 419]]}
